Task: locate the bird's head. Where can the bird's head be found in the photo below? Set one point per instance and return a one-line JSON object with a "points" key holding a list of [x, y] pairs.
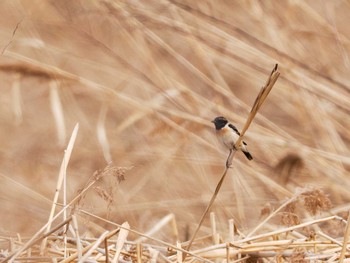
{"points": [[219, 122]]}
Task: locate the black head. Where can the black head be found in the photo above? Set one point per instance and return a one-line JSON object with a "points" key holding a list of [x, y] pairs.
{"points": [[219, 122]]}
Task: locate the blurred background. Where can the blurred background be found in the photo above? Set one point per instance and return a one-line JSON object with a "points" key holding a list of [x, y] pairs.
{"points": [[144, 79]]}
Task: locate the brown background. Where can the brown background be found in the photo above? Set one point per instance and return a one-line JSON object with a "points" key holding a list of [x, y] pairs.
{"points": [[151, 75]]}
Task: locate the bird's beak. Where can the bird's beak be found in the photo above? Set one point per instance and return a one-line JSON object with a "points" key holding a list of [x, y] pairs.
{"points": [[212, 121]]}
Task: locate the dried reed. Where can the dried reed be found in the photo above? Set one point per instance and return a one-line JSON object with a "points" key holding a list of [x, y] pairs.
{"points": [[142, 79], [264, 92]]}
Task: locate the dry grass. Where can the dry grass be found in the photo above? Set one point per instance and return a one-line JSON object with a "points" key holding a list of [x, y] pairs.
{"points": [[143, 79]]}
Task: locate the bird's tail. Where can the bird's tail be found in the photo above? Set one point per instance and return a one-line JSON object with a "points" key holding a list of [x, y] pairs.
{"points": [[248, 155]]}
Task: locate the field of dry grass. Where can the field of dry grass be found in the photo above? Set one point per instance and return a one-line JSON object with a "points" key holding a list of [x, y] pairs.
{"points": [[143, 80]]}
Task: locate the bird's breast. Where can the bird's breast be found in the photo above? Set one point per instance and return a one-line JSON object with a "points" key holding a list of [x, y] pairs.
{"points": [[227, 136]]}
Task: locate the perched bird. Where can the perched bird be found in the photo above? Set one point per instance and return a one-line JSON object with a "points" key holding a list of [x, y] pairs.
{"points": [[229, 134]]}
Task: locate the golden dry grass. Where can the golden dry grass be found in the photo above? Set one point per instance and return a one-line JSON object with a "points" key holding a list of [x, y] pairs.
{"points": [[143, 79]]}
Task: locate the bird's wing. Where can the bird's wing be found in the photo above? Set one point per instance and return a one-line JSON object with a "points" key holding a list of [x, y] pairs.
{"points": [[236, 131], [234, 128]]}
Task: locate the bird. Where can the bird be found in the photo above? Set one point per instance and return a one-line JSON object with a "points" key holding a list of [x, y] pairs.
{"points": [[228, 134]]}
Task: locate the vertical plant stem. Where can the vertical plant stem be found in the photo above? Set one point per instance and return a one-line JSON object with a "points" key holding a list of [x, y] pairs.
{"points": [[345, 240], [217, 189]]}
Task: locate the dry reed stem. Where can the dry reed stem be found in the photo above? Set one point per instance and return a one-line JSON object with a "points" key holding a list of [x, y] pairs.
{"points": [[94, 246], [345, 240], [140, 105], [137, 104], [106, 250], [143, 235], [217, 189], [123, 234], [272, 215], [102, 134], [211, 31], [170, 50], [306, 149], [320, 233], [17, 98], [27, 190], [288, 229], [36, 69], [272, 248], [72, 202], [35, 239], [76, 231], [139, 252], [65, 204], [256, 106], [57, 111], [60, 179], [200, 51], [12, 37], [202, 29], [251, 40], [231, 230], [264, 92], [271, 184], [178, 252], [168, 219], [276, 246], [215, 234], [174, 228], [158, 40]]}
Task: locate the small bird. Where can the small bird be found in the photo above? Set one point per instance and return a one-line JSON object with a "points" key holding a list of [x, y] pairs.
{"points": [[229, 134]]}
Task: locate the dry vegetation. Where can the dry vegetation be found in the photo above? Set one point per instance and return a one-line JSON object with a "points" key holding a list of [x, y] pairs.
{"points": [[106, 109]]}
